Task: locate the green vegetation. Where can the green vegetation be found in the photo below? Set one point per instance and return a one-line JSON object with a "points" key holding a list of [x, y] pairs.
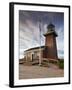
{"points": [[61, 63], [53, 62]]}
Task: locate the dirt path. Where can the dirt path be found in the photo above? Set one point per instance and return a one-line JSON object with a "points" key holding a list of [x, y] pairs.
{"points": [[29, 72]]}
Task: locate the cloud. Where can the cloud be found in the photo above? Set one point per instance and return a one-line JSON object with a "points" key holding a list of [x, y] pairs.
{"points": [[61, 54], [30, 32], [60, 39]]}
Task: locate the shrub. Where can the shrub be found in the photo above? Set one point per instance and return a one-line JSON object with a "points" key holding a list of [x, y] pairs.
{"points": [[61, 64]]}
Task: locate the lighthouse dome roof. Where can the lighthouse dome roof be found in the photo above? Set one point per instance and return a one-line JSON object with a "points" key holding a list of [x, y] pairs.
{"points": [[50, 26]]}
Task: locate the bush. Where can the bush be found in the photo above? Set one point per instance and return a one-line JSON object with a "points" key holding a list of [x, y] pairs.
{"points": [[61, 64], [53, 62]]}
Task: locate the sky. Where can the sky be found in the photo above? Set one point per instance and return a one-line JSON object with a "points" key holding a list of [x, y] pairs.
{"points": [[30, 23]]}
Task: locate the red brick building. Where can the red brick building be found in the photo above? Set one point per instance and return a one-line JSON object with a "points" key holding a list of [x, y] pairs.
{"points": [[50, 42]]}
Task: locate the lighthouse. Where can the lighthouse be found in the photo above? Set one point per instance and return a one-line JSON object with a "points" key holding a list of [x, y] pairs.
{"points": [[50, 42]]}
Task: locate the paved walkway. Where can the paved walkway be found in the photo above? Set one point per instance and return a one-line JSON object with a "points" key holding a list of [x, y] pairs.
{"points": [[30, 72]]}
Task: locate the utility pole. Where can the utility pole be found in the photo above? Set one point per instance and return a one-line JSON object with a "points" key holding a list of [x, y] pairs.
{"points": [[40, 43]]}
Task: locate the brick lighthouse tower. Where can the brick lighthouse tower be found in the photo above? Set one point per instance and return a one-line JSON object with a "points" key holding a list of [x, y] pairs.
{"points": [[50, 42]]}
